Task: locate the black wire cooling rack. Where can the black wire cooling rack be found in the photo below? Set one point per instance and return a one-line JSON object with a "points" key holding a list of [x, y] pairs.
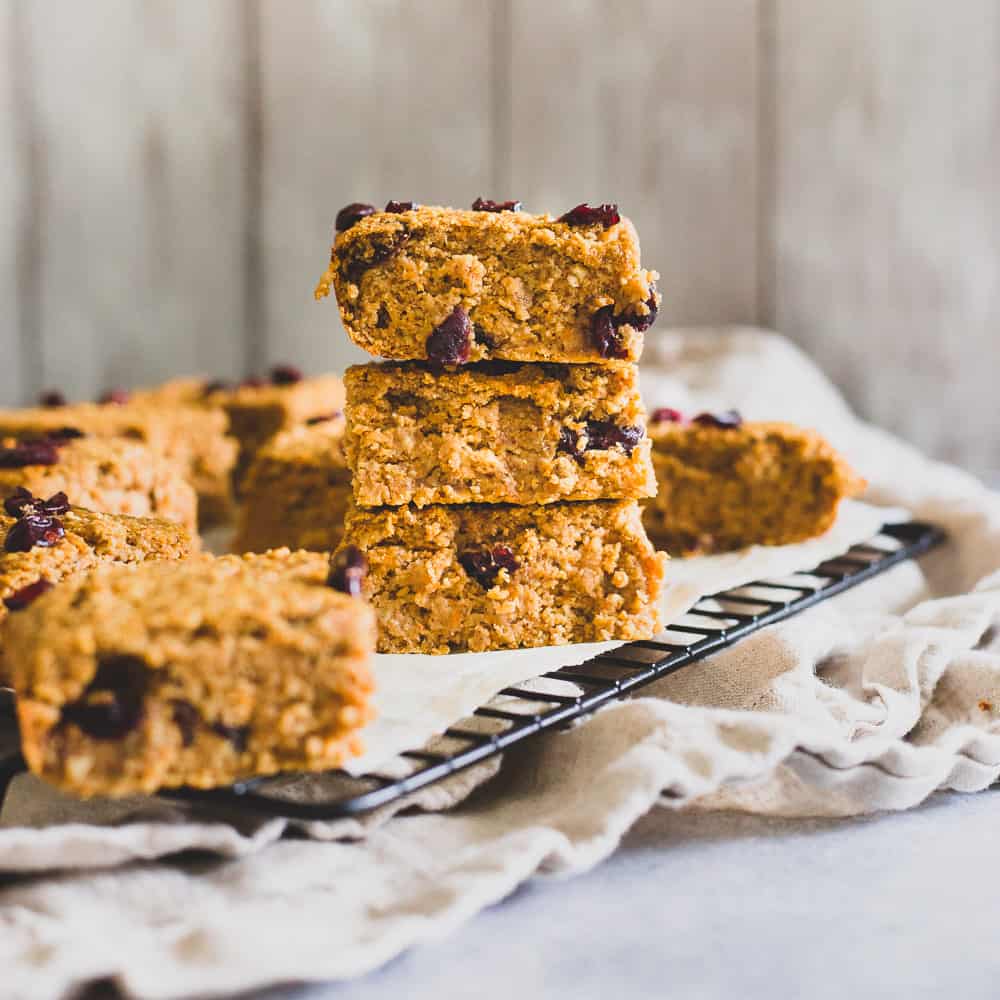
{"points": [[561, 696]]}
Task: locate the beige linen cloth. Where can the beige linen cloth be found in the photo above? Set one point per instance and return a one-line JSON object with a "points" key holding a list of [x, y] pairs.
{"points": [[868, 702]]}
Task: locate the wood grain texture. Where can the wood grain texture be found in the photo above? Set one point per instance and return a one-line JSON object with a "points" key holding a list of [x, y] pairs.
{"points": [[15, 283], [139, 211], [886, 227], [653, 104], [362, 100]]}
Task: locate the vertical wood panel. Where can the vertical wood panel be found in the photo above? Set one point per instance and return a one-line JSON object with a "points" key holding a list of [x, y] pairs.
{"points": [[653, 104], [140, 212], [886, 234], [12, 213], [363, 100]]}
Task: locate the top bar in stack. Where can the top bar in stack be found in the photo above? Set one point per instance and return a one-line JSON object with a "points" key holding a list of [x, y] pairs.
{"points": [[451, 286]]}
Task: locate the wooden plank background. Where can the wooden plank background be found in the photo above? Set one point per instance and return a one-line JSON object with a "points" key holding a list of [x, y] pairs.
{"points": [[169, 174]]}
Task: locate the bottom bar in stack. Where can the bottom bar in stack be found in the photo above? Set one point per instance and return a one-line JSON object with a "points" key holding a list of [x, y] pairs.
{"points": [[477, 577], [198, 673]]}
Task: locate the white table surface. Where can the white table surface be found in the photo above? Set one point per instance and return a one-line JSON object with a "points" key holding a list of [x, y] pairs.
{"points": [[722, 906]]}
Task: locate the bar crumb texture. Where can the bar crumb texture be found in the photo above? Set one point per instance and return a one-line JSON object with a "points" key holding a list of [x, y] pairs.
{"points": [[479, 577], [497, 432]]}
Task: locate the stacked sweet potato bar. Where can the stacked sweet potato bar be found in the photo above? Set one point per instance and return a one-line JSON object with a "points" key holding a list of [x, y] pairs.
{"points": [[498, 457]]}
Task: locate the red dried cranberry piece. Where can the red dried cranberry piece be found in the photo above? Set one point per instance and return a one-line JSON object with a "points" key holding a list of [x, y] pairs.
{"points": [[187, 719], [348, 569], [40, 452], [351, 214], [667, 415], [42, 530], [286, 374], [112, 704], [239, 736], [484, 566], [216, 385], [451, 340], [62, 435], [605, 215], [573, 443], [20, 599], [400, 206], [52, 398], [19, 501], [641, 323], [485, 205], [603, 435], [117, 396], [323, 418], [605, 334], [725, 421], [58, 503], [253, 382]]}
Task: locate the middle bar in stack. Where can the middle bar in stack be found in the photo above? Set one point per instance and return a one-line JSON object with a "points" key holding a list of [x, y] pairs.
{"points": [[495, 502]]}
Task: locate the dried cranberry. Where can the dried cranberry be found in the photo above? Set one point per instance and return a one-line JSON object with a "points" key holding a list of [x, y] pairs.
{"points": [[728, 420], [117, 396], [20, 599], [323, 418], [112, 704], [382, 320], [58, 503], [216, 385], [351, 214], [592, 215], [484, 566], [19, 501], [400, 206], [641, 323], [52, 398], [40, 452], [286, 374], [572, 442], [605, 334], [451, 340], [42, 530], [484, 205], [238, 736], [603, 435], [253, 382], [63, 434], [667, 415], [348, 569], [187, 719]]}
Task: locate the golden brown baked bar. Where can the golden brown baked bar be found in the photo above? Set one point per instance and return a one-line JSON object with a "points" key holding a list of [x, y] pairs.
{"points": [[45, 540], [190, 436], [725, 484], [196, 673], [107, 475], [259, 406], [452, 286], [496, 432], [296, 491], [477, 577]]}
